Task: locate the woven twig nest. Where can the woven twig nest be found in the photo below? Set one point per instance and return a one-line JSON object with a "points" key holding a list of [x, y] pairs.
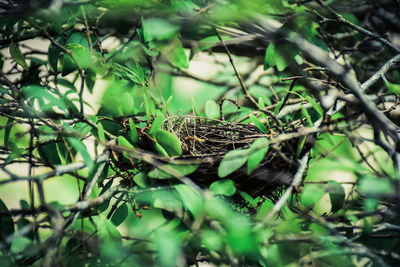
{"points": [[206, 141]]}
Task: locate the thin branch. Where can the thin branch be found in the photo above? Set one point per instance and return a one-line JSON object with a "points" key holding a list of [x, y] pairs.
{"points": [[244, 88]]}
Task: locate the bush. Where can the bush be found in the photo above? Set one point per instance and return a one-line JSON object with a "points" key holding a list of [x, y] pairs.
{"points": [[173, 133]]}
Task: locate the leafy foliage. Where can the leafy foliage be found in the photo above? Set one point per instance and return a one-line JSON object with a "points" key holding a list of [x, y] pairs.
{"points": [[171, 133]]}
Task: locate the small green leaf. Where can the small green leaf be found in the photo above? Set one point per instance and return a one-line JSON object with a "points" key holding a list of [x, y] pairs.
{"points": [[158, 29], [190, 199], [79, 146], [131, 73], [100, 131], [17, 56], [169, 142], [375, 187], [336, 194], [212, 110], [278, 107], [122, 141], [128, 105], [257, 153], [315, 105], [393, 88], [157, 123], [168, 246], [6, 222], [90, 79], [53, 55], [224, 187], [306, 115], [120, 215], [105, 204], [311, 194], [141, 179], [175, 53], [49, 153], [258, 123], [208, 42], [261, 103], [40, 93], [106, 229], [160, 150], [133, 134], [81, 54], [232, 161], [274, 58], [172, 170]]}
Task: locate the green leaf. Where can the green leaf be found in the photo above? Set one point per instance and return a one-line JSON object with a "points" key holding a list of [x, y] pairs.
{"points": [[79, 146], [208, 42], [158, 29], [78, 38], [168, 248], [105, 204], [128, 105], [257, 153], [191, 200], [90, 79], [160, 150], [100, 132], [17, 56], [122, 141], [167, 200], [157, 123], [375, 187], [120, 215], [81, 54], [167, 171], [232, 161], [336, 194], [261, 103], [40, 93], [133, 134], [49, 153], [79, 47], [133, 73], [53, 55], [224, 187], [258, 123], [6, 222], [141, 179], [175, 53], [311, 194], [315, 105], [393, 88], [106, 229], [306, 115], [274, 58], [169, 142], [211, 240], [212, 110]]}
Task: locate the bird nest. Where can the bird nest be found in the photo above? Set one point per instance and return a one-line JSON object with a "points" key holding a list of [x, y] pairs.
{"points": [[206, 142]]}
